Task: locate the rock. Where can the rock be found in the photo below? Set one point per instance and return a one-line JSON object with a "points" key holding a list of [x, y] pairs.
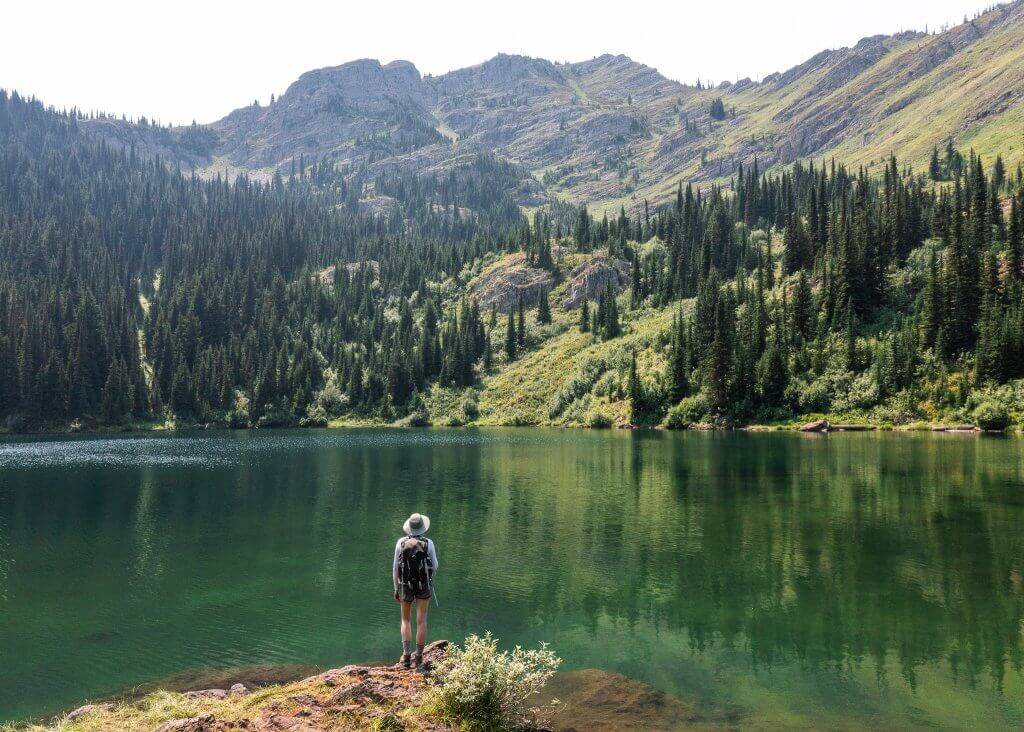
{"points": [[87, 710], [508, 280], [336, 676], [238, 689], [202, 723], [362, 690], [852, 428], [964, 428], [207, 694], [820, 425], [589, 279]]}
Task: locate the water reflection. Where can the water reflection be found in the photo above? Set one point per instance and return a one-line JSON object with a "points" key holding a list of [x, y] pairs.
{"points": [[134, 559]]}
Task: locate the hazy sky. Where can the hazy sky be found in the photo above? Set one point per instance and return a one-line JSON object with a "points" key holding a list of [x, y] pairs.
{"points": [[185, 59]]}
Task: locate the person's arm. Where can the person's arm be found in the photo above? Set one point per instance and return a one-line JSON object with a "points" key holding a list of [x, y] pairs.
{"points": [[394, 564], [432, 553]]}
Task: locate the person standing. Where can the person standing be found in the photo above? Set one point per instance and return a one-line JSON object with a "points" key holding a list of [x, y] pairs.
{"points": [[412, 573]]}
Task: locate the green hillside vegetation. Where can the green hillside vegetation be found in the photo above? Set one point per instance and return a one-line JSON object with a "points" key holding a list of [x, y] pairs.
{"points": [[131, 294]]}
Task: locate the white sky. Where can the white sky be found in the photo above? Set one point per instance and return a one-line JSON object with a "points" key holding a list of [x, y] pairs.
{"points": [[181, 60]]}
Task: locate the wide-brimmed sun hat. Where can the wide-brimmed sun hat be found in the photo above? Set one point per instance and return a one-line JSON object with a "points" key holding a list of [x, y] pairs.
{"points": [[416, 524]]}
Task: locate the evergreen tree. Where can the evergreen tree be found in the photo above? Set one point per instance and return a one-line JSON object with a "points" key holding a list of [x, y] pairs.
{"points": [[511, 338], [585, 317], [543, 309]]}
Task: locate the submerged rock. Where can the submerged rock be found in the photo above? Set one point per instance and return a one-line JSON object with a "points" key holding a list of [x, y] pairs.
{"points": [[601, 701]]}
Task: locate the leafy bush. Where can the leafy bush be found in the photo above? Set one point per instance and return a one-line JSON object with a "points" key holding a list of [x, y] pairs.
{"points": [[331, 400], [470, 407], [577, 385], [689, 410], [418, 418], [991, 415], [861, 393], [675, 420], [483, 688], [598, 419], [315, 417]]}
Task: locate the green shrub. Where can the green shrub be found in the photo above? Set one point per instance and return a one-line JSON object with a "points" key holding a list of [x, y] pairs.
{"points": [[482, 688], [470, 407], [418, 417], [675, 419], [577, 385], [598, 419], [315, 417], [689, 410], [991, 415], [814, 396]]}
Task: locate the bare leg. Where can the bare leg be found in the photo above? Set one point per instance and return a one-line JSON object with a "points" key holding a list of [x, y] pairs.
{"points": [[422, 606], [406, 621]]}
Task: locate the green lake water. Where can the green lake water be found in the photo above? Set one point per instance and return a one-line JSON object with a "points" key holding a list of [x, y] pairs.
{"points": [[852, 580]]}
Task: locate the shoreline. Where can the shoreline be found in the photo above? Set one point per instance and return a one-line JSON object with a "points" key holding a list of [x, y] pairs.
{"points": [[378, 697], [799, 425]]}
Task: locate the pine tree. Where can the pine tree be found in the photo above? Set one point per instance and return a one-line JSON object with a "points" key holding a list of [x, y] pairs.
{"points": [[934, 167], [511, 340], [521, 321], [585, 317], [803, 307], [798, 245], [1015, 241], [678, 361], [543, 309], [637, 405]]}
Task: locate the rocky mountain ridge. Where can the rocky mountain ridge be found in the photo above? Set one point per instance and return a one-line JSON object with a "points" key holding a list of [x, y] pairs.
{"points": [[614, 131]]}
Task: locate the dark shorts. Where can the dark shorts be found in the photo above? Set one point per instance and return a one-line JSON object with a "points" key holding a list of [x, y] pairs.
{"points": [[406, 594]]}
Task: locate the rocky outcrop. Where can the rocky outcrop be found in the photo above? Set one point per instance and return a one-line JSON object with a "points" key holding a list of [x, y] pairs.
{"points": [[392, 698], [507, 281], [589, 279], [351, 697], [820, 425]]}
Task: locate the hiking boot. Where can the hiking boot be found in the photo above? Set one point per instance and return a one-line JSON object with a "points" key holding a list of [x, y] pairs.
{"points": [[404, 661], [418, 660]]}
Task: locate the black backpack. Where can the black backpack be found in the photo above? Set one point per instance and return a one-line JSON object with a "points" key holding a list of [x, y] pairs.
{"points": [[414, 568]]}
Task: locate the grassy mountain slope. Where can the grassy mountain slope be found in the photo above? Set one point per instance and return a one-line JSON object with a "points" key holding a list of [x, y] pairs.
{"points": [[613, 131]]}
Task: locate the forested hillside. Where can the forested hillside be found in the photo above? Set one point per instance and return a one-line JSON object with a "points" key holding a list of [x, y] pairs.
{"points": [[131, 293]]}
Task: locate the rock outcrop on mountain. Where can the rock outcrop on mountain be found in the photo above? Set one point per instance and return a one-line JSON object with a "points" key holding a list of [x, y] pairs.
{"points": [[590, 278], [611, 130], [508, 281]]}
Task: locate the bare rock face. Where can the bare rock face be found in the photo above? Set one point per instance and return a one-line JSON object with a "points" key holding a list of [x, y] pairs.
{"points": [[504, 283], [589, 279]]}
